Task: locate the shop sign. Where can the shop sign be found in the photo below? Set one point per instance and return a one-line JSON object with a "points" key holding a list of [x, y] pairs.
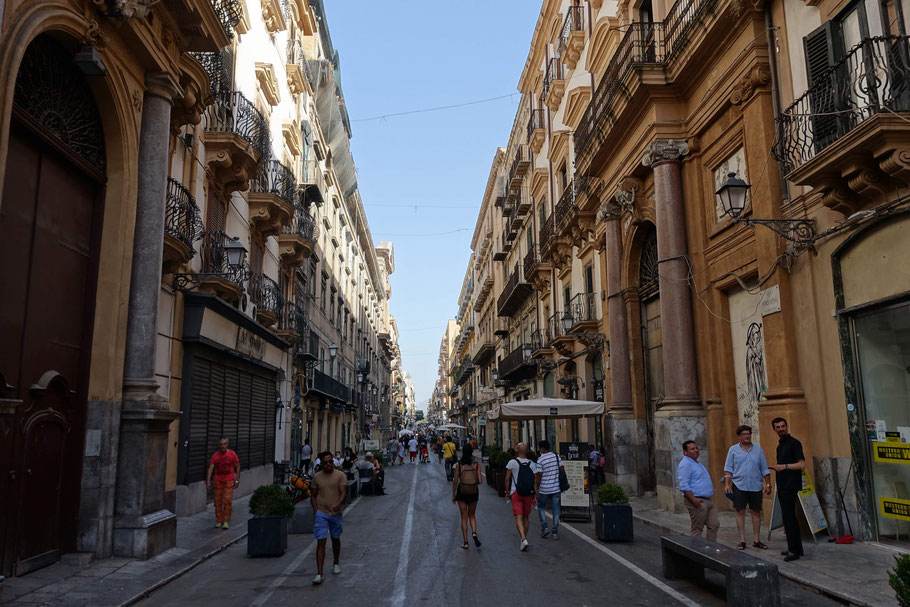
{"points": [[250, 344], [891, 453], [577, 495], [573, 451], [893, 507]]}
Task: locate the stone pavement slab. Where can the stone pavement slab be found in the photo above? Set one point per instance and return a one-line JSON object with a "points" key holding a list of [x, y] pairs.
{"points": [[856, 574], [122, 581]]}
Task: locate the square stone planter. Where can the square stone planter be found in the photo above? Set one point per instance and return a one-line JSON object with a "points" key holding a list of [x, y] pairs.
{"points": [[303, 519], [267, 536], [613, 522]]}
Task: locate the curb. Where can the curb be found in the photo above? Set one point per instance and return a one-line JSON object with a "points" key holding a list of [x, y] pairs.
{"points": [[145, 593], [809, 584]]}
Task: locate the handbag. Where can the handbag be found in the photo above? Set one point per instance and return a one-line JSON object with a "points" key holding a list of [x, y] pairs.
{"points": [[563, 480]]}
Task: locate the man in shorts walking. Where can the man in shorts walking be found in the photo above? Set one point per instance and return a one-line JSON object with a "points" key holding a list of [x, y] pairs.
{"points": [[746, 473], [521, 478], [327, 493]]}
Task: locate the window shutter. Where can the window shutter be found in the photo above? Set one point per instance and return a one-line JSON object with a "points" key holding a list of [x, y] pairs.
{"points": [[819, 48], [197, 456], [823, 98]]}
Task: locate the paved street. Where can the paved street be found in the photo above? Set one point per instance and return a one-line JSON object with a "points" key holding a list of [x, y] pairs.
{"points": [[405, 547]]}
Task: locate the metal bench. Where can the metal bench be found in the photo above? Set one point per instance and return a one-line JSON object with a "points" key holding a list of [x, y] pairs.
{"points": [[750, 581]]}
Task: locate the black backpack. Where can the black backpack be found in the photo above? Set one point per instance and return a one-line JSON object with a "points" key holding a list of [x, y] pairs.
{"points": [[524, 480]]}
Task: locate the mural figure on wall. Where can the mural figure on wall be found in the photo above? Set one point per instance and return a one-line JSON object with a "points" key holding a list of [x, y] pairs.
{"points": [[755, 364]]}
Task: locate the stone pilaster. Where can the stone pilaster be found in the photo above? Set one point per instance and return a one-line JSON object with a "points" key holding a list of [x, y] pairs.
{"points": [[680, 416], [143, 527]]}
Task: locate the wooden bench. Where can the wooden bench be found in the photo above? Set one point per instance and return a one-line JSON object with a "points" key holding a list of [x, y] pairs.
{"points": [[750, 581]]}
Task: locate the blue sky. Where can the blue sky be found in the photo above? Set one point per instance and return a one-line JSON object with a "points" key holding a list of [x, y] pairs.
{"points": [[403, 55]]}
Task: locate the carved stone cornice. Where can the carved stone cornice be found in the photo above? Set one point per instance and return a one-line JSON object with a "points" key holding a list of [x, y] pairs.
{"points": [[758, 76], [189, 106], [665, 150], [265, 75], [273, 16]]}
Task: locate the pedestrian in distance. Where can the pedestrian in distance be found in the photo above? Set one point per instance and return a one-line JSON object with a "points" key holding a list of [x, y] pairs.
{"points": [[401, 453], [448, 453], [790, 464], [549, 466], [746, 473], [226, 466], [393, 450], [466, 492], [327, 492], [697, 489], [521, 479], [338, 460], [412, 450], [306, 456]]}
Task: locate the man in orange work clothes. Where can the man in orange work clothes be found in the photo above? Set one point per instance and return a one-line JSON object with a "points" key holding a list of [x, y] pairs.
{"points": [[226, 466]]}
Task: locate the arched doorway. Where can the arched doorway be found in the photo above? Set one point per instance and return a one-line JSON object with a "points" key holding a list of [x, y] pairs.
{"points": [[651, 343], [50, 225]]}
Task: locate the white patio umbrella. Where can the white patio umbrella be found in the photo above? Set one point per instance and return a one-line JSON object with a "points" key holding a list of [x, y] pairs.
{"points": [[545, 408], [450, 427]]}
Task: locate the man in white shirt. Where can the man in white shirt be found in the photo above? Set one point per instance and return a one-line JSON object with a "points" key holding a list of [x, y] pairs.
{"points": [[547, 478], [412, 449], [306, 456], [521, 474]]}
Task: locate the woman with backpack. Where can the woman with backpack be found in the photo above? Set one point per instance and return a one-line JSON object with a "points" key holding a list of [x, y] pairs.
{"points": [[466, 491]]}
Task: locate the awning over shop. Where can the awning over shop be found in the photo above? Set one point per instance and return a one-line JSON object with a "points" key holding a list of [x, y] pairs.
{"points": [[545, 408]]}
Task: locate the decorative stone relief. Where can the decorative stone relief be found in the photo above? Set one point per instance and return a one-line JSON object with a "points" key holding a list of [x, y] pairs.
{"points": [[665, 150], [757, 77]]}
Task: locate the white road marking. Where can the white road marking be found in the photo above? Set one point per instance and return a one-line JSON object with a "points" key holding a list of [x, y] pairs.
{"points": [[398, 595], [289, 571], [632, 567]]}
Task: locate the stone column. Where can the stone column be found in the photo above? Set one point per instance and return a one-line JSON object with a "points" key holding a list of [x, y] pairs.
{"points": [[143, 526], [622, 436], [681, 416]]}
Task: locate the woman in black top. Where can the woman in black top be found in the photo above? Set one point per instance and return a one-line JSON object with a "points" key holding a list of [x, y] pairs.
{"points": [[349, 459], [465, 491]]}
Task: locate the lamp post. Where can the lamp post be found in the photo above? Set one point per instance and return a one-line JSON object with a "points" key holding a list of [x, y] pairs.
{"points": [[733, 193]]}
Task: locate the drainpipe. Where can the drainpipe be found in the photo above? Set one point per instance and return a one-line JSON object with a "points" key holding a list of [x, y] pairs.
{"points": [[775, 91]]}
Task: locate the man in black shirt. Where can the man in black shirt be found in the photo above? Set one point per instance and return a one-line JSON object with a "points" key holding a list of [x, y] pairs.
{"points": [[790, 463]]}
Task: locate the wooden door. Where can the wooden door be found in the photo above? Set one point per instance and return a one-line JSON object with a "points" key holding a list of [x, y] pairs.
{"points": [[48, 263]]}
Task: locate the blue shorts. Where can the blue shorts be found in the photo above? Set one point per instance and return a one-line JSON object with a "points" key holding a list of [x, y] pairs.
{"points": [[326, 525]]}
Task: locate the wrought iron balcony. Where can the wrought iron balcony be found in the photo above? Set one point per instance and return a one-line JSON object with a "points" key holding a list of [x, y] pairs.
{"points": [[514, 294], [642, 44], [295, 62], [266, 294], [275, 178], [292, 323], [540, 341], [583, 309], [572, 37], [554, 83], [869, 84], [520, 165], [298, 238], [565, 205], [682, 17], [229, 13], [537, 125], [532, 261], [515, 366], [463, 373], [224, 280], [555, 329], [182, 225], [232, 112], [547, 232], [331, 387]]}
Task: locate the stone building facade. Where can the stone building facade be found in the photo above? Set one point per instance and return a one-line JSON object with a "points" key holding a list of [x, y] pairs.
{"points": [[212, 248], [693, 320]]}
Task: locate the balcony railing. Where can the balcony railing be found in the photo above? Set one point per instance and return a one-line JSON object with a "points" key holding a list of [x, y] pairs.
{"points": [[275, 178], [231, 112], [536, 121], [214, 258], [554, 326], [293, 318], [540, 339], [532, 258], [331, 387], [514, 361], [229, 14], [583, 308], [873, 77], [680, 21], [547, 231], [266, 294], [303, 225], [566, 204], [182, 219], [643, 43], [514, 293], [574, 22], [554, 72]]}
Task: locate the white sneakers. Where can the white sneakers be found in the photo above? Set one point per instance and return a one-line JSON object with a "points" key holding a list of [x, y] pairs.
{"points": [[555, 536], [524, 545], [317, 580], [336, 569]]}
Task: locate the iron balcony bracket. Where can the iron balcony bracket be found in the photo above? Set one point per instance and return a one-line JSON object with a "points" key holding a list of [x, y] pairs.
{"points": [[801, 232]]}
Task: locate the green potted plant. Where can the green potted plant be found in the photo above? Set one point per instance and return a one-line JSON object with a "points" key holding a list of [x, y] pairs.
{"points": [[612, 514], [267, 530], [899, 579]]}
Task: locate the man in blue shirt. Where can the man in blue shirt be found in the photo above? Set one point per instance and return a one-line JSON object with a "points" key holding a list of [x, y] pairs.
{"points": [[695, 484], [746, 473]]}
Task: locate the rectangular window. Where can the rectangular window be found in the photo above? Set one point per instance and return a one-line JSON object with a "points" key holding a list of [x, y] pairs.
{"points": [[566, 296], [589, 279]]}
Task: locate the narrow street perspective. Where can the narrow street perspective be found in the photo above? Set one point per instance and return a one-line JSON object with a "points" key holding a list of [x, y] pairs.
{"points": [[613, 306]]}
